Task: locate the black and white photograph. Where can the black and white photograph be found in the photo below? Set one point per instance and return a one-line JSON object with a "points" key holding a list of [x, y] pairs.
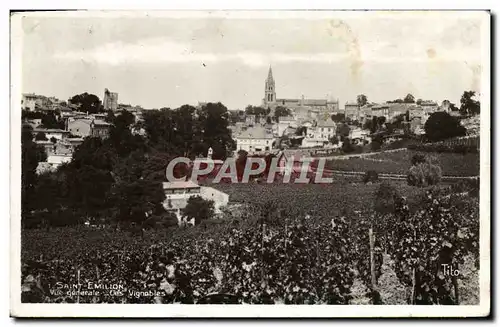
{"points": [[287, 163]]}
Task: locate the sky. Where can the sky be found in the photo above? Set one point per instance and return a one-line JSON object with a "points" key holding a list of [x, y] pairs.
{"points": [[169, 60]]}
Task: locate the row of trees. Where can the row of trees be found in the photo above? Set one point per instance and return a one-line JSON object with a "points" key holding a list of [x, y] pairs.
{"points": [[121, 177]]}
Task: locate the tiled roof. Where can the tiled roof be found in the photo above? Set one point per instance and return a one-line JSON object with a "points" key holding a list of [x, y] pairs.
{"points": [[256, 132], [49, 130], [326, 123], [179, 185], [101, 122]]}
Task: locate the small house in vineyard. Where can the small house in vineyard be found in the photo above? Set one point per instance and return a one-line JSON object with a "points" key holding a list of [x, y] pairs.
{"points": [[177, 195]]}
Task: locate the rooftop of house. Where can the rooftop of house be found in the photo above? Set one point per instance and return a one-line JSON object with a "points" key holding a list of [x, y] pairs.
{"points": [[43, 142], [180, 185], [286, 119], [310, 102], [100, 122], [257, 132], [49, 130], [214, 161], [326, 123]]}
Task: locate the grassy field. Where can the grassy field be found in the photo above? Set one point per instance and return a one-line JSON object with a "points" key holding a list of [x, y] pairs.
{"points": [[452, 164]]}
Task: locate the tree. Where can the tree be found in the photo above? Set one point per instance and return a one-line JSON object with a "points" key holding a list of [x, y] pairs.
{"points": [[87, 103], [257, 111], [49, 120], [31, 155], [469, 106], [347, 146], [396, 101], [368, 125], [385, 198], [134, 196], [343, 131], [40, 136], [441, 126], [419, 101], [198, 209], [89, 176], [334, 140], [281, 112], [302, 130], [338, 117], [371, 176], [362, 100], [236, 116], [424, 174], [110, 117], [409, 98], [377, 142], [214, 122], [418, 158]]}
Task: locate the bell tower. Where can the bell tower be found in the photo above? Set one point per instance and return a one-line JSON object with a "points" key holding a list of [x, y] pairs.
{"points": [[270, 92]]}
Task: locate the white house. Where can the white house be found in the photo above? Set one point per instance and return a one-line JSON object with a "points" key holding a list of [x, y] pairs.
{"points": [[319, 134], [285, 122], [58, 134], [55, 160], [325, 129], [255, 140], [28, 101], [177, 195]]}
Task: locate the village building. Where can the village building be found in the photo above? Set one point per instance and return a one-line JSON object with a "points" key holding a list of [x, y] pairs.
{"points": [[319, 133], [28, 101], [325, 129], [177, 195], [50, 133], [255, 140], [110, 100], [283, 123], [352, 111], [88, 127]]}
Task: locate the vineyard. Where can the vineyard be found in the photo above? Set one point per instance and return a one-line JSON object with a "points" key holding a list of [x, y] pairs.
{"points": [[275, 253], [452, 164]]}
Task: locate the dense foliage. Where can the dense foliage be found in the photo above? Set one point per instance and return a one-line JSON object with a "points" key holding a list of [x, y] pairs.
{"points": [[424, 173], [87, 103], [119, 179], [468, 105], [441, 126], [370, 176]]}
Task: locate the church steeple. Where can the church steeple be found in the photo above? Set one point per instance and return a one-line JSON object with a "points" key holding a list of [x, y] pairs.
{"points": [[270, 74], [270, 92]]}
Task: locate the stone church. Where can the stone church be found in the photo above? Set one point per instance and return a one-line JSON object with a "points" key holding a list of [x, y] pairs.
{"points": [[301, 108]]}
